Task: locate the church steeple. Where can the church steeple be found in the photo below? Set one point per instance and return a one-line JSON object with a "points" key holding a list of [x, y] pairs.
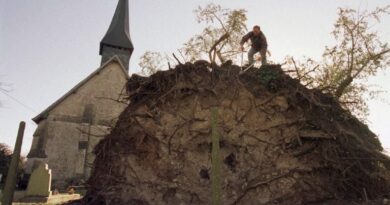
{"points": [[117, 39]]}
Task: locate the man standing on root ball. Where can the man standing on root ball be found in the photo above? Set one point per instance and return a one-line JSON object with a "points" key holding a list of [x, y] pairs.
{"points": [[259, 44]]}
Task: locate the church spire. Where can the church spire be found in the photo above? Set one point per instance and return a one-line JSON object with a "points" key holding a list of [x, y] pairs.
{"points": [[117, 39]]}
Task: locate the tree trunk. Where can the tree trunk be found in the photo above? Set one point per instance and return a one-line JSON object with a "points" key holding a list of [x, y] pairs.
{"points": [[343, 85]]}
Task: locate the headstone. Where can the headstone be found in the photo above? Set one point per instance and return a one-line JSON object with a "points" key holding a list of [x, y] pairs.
{"points": [[40, 182]]}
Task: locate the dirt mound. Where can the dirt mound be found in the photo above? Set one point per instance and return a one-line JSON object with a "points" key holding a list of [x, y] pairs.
{"points": [[280, 143]]}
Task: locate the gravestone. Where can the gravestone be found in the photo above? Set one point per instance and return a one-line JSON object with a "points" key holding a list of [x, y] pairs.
{"points": [[38, 189], [40, 182]]}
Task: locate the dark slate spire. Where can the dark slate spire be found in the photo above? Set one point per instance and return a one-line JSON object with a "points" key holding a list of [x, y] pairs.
{"points": [[117, 39]]}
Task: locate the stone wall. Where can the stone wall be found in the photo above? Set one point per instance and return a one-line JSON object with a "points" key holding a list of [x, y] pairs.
{"points": [[100, 91]]}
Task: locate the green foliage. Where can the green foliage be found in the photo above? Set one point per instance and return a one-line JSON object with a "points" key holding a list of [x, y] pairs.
{"points": [[345, 67], [267, 75]]}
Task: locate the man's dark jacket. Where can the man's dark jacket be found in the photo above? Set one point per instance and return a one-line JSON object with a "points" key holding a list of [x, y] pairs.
{"points": [[258, 41]]}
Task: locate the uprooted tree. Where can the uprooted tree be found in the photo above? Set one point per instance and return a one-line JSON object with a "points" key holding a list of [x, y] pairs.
{"points": [[358, 54], [279, 143], [276, 141]]}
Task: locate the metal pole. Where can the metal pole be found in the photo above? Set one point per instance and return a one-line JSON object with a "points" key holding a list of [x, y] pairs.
{"points": [[242, 57], [215, 161], [10, 183]]}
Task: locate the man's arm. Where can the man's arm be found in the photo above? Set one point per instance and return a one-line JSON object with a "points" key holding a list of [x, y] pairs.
{"points": [[246, 38]]}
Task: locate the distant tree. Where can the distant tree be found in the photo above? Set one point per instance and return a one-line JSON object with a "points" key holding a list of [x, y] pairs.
{"points": [[358, 54], [5, 160], [218, 42]]}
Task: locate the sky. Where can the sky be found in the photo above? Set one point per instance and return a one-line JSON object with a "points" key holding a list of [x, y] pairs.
{"points": [[48, 46]]}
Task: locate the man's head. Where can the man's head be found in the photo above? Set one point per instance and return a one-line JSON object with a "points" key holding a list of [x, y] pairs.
{"points": [[256, 29]]}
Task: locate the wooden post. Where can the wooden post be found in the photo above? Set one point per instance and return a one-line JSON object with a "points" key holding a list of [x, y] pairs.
{"points": [[215, 160], [10, 183]]}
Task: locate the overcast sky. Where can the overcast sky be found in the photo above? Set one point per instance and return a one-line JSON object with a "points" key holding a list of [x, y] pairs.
{"points": [[48, 46]]}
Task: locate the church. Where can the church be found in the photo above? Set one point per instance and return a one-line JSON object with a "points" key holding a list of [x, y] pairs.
{"points": [[69, 129]]}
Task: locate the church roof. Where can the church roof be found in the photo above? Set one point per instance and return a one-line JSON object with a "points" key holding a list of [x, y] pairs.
{"points": [[118, 34], [44, 114]]}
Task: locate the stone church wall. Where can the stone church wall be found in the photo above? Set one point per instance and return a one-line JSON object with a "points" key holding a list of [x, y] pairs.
{"points": [[65, 140]]}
